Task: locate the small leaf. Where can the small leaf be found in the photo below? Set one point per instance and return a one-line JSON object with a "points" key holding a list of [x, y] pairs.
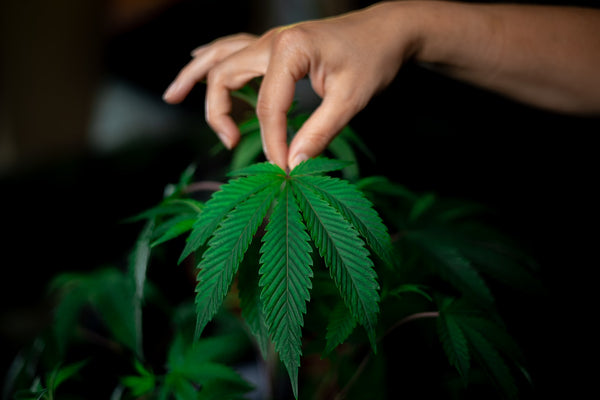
{"points": [[263, 169], [454, 344], [60, 375], [140, 384], [173, 228], [340, 326], [318, 165]]}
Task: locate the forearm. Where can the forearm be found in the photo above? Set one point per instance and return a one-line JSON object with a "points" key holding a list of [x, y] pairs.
{"points": [[545, 56]]}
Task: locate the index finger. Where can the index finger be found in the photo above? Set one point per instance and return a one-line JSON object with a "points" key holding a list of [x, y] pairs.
{"points": [[286, 67]]}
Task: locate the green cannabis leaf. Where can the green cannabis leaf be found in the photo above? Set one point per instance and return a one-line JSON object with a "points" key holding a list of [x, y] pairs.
{"points": [[301, 206], [467, 333]]}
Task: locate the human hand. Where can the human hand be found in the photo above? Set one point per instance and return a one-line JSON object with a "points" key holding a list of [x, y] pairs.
{"points": [[347, 58]]}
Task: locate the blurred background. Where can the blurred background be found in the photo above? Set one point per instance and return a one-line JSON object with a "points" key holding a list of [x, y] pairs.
{"points": [[86, 141]]}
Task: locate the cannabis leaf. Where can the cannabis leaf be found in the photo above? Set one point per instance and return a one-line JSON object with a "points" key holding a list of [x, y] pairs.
{"points": [[467, 333], [302, 205]]}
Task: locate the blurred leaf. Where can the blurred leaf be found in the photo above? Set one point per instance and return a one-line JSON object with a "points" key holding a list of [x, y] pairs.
{"points": [[138, 265], [249, 125], [173, 228], [349, 135], [420, 206], [60, 374], [453, 266], [140, 384], [454, 344], [381, 185], [73, 297], [341, 150], [489, 343], [113, 296], [109, 291], [247, 151], [410, 288], [198, 365], [246, 93], [340, 326]]}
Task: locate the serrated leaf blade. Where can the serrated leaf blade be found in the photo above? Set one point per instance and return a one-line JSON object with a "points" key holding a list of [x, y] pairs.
{"points": [[225, 252], [356, 208], [286, 281], [318, 165], [340, 326], [220, 204], [345, 255]]}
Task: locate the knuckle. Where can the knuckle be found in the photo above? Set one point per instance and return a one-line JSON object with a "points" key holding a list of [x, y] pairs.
{"points": [[215, 75], [290, 37], [264, 109], [319, 140]]}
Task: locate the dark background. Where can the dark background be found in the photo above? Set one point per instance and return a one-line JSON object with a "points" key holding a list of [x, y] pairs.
{"points": [[63, 199]]}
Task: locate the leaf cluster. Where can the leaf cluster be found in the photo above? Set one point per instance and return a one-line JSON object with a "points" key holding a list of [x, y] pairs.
{"points": [[289, 252], [302, 206]]}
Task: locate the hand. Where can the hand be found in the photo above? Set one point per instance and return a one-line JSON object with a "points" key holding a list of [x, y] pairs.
{"points": [[347, 58]]}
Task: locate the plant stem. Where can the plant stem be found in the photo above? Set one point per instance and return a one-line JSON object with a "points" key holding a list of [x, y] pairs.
{"points": [[411, 317]]}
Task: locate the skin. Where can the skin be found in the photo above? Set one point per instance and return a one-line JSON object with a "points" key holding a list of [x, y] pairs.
{"points": [[544, 56]]}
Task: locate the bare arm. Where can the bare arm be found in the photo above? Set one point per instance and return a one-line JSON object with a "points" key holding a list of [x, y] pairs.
{"points": [[545, 56]]}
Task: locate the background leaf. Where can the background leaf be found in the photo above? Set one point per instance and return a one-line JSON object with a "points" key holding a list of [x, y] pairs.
{"points": [[340, 326]]}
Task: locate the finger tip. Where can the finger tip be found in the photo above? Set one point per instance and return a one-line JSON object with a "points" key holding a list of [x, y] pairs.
{"points": [[297, 159]]}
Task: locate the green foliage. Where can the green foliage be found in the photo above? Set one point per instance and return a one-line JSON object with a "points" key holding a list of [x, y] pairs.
{"points": [[109, 293], [190, 367], [46, 389], [292, 263], [466, 333], [303, 202]]}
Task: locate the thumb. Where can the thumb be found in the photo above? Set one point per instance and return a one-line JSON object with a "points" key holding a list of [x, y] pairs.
{"points": [[319, 130]]}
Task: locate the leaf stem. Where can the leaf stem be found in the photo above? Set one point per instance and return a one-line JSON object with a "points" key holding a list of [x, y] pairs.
{"points": [[211, 186]]}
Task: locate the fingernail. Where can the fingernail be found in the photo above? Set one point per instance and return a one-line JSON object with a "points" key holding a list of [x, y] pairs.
{"points": [[225, 140], [298, 159], [170, 90]]}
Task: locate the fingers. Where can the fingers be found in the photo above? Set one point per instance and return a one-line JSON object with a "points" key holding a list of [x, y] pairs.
{"points": [[287, 64], [205, 58], [221, 80], [321, 128], [225, 67]]}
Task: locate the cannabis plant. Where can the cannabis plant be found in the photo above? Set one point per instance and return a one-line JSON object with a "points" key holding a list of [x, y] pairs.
{"points": [[289, 264]]}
